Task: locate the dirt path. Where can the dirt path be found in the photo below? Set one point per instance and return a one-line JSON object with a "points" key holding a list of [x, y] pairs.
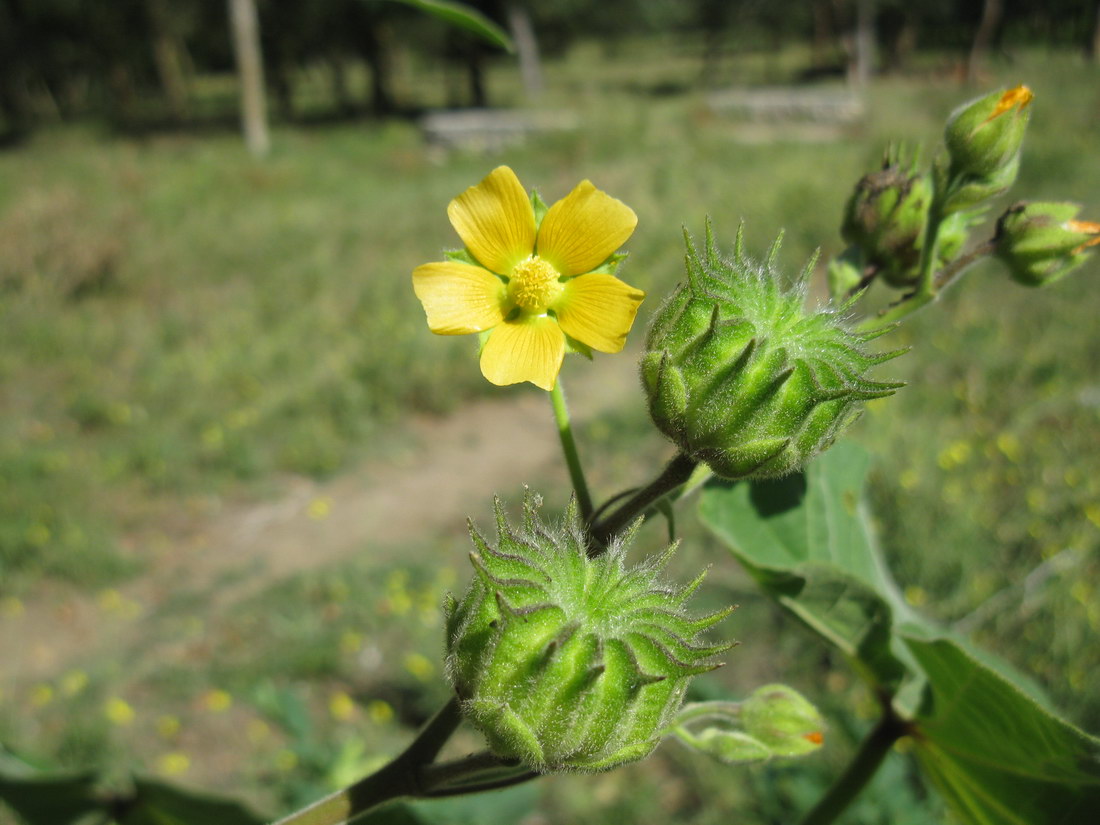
{"points": [[452, 469]]}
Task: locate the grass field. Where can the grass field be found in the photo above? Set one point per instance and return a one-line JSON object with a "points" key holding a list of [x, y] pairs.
{"points": [[191, 340]]}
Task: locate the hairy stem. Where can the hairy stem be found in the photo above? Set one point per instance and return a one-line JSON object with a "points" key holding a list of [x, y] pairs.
{"points": [[678, 471], [401, 777], [860, 770], [953, 270], [569, 448]]}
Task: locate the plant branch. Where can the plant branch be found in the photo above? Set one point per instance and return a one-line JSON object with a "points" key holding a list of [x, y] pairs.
{"points": [[678, 471], [401, 777], [953, 270], [860, 770], [569, 448]]}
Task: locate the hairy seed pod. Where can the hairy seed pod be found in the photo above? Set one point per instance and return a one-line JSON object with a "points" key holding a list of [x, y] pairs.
{"points": [[740, 376], [566, 662]]}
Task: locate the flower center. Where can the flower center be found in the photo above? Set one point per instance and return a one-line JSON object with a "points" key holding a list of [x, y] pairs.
{"points": [[533, 284]]}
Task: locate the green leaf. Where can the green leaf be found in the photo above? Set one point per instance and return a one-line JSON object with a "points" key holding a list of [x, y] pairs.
{"points": [[158, 803], [465, 17], [805, 538], [996, 755], [50, 800], [508, 805]]}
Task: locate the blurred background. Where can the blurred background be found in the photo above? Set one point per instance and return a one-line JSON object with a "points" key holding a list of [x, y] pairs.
{"points": [[235, 465]]}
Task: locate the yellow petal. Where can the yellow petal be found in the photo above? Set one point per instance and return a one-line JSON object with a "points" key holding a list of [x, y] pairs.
{"points": [[1019, 97], [495, 220], [584, 229], [527, 349], [598, 310], [459, 298]]}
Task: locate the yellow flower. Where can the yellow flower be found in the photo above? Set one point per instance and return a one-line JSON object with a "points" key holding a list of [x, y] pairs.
{"points": [[532, 283]]}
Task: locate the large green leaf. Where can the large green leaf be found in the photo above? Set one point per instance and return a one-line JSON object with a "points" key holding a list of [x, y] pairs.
{"points": [[998, 756], [50, 800], [158, 803], [465, 17], [806, 540]]}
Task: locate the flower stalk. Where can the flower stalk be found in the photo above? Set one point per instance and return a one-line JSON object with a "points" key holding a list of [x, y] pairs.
{"points": [[569, 450]]}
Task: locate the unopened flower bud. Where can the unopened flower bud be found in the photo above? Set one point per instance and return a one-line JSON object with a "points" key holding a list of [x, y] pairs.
{"points": [[567, 662], [740, 376], [985, 135], [1042, 242], [885, 217], [783, 721]]}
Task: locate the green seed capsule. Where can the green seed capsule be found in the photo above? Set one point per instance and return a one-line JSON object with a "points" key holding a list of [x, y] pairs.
{"points": [[740, 376], [566, 662]]}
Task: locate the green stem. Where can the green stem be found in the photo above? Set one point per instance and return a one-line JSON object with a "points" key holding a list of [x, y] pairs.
{"points": [[401, 777], [926, 285], [946, 276], [569, 448], [860, 770], [678, 471]]}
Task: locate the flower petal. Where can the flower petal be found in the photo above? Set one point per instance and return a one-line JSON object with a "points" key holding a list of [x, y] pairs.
{"points": [[527, 349], [459, 298], [495, 220], [598, 310], [584, 229]]}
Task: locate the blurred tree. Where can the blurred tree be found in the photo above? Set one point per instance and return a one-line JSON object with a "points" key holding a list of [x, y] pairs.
{"points": [[169, 54], [992, 11], [527, 48], [246, 41]]}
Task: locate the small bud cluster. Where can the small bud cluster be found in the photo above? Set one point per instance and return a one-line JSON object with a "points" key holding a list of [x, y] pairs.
{"points": [[740, 376], [885, 222], [570, 662]]}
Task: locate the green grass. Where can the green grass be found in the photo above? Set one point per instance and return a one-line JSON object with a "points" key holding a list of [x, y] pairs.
{"points": [[181, 324]]}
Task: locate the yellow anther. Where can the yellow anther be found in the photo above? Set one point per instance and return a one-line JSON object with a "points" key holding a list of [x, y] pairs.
{"points": [[534, 284]]}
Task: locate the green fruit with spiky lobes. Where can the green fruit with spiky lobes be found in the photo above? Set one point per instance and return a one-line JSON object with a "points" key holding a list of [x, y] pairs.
{"points": [[568, 662], [740, 376]]}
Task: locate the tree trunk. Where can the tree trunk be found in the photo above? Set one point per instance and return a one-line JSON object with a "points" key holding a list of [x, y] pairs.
{"points": [[373, 45], [167, 55], [979, 50], [823, 48], [859, 71], [475, 76], [250, 69], [339, 76], [1093, 47], [527, 48]]}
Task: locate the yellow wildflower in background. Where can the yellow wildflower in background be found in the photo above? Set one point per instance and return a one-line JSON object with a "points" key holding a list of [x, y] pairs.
{"points": [[529, 283], [118, 711]]}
